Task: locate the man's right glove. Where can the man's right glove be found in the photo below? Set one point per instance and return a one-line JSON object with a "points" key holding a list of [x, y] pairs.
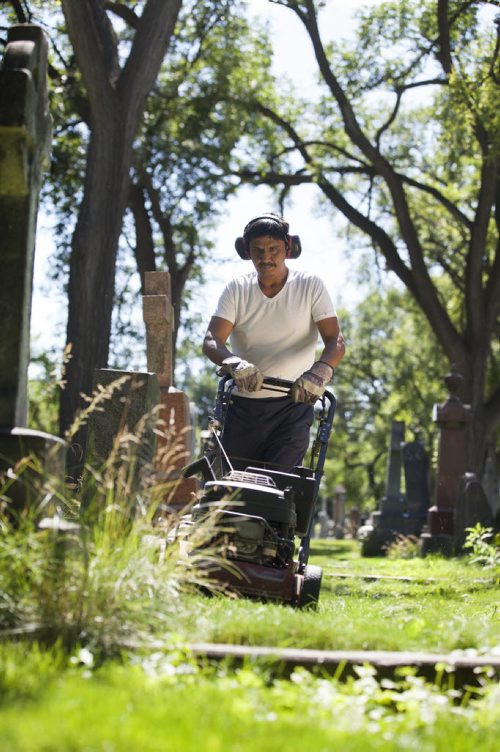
{"points": [[247, 377], [311, 385]]}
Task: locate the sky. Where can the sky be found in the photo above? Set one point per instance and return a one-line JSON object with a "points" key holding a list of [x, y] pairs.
{"points": [[323, 250]]}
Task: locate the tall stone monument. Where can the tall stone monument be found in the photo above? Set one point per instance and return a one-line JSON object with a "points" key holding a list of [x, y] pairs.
{"points": [[452, 418], [389, 518], [25, 134], [417, 496], [175, 439]]}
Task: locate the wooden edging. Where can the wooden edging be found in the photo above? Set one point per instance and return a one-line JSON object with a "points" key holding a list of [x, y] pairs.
{"points": [[342, 663], [395, 578]]}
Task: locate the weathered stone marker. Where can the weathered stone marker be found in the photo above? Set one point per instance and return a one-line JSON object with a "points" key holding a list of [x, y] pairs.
{"points": [[175, 440], [452, 418], [25, 129], [388, 520], [25, 133], [472, 507], [129, 416], [416, 472]]}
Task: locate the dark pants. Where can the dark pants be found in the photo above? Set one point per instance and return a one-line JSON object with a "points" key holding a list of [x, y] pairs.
{"points": [[272, 431]]}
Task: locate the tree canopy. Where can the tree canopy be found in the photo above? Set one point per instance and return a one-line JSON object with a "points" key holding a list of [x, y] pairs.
{"points": [[417, 176]]}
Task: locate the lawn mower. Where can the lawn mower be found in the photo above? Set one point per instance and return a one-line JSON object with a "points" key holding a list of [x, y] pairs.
{"points": [[259, 512]]}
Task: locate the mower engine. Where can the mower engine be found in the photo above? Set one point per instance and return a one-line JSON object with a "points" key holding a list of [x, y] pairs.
{"points": [[257, 520]]}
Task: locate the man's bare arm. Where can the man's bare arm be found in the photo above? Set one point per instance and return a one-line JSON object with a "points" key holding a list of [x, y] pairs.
{"points": [[214, 344], [334, 349]]}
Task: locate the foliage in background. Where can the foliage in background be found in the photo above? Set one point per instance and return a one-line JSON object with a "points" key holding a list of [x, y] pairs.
{"points": [[403, 142], [393, 371]]}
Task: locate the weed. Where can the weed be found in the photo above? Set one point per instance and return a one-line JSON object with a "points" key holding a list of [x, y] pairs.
{"points": [[403, 547], [484, 547]]}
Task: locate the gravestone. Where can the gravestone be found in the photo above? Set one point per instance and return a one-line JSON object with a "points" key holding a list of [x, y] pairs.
{"points": [[491, 483], [452, 418], [417, 492], [472, 507], [338, 512], [121, 429], [175, 445], [25, 134], [388, 520]]}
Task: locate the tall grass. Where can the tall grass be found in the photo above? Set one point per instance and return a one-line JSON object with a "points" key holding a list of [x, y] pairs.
{"points": [[93, 568]]}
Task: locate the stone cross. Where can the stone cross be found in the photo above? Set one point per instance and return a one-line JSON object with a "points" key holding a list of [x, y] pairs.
{"points": [[25, 132]]}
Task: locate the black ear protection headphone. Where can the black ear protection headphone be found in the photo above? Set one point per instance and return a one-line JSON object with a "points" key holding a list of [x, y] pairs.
{"points": [[292, 242]]}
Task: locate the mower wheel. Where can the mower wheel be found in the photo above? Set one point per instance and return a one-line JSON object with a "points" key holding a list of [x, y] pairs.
{"points": [[309, 595]]}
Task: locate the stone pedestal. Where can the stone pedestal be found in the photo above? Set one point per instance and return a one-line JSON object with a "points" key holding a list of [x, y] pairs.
{"points": [[452, 418]]}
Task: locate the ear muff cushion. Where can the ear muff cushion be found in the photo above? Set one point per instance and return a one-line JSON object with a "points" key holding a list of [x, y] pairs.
{"points": [[294, 247], [241, 248]]}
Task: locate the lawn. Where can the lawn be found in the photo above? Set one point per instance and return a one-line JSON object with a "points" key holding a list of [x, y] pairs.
{"points": [[81, 699], [430, 604]]}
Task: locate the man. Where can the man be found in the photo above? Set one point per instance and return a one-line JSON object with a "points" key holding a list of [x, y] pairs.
{"points": [[272, 317]]}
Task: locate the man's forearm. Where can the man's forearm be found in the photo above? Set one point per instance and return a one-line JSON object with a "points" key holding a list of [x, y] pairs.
{"points": [[215, 349], [333, 351]]}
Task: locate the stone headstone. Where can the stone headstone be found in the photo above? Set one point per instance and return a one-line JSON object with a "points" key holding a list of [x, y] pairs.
{"points": [[388, 520], [472, 507], [158, 316], [131, 408], [417, 496]]}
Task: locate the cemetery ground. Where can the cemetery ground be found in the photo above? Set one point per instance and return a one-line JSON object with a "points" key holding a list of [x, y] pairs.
{"points": [[119, 675]]}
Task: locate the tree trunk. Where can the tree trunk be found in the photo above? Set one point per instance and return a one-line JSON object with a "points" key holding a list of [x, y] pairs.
{"points": [[116, 98], [92, 263]]}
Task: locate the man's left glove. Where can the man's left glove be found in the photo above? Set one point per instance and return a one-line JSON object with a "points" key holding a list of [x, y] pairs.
{"points": [[311, 385]]}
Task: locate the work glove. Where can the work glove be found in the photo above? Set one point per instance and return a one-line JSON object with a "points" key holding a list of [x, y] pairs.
{"points": [[247, 377], [311, 385]]}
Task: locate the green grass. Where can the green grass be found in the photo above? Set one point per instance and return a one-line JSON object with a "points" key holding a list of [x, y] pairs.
{"points": [[86, 700], [444, 605], [165, 702]]}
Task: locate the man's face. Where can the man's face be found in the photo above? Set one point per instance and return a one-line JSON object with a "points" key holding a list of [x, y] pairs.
{"points": [[268, 255]]}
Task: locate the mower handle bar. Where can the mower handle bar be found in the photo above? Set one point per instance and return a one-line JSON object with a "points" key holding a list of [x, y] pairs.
{"points": [[285, 385]]}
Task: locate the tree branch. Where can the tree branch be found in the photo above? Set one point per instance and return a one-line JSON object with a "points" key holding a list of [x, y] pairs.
{"points": [[122, 11], [444, 46], [95, 49], [149, 47], [144, 250]]}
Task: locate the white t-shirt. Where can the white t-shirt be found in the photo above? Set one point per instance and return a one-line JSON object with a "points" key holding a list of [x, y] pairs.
{"points": [[279, 334]]}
